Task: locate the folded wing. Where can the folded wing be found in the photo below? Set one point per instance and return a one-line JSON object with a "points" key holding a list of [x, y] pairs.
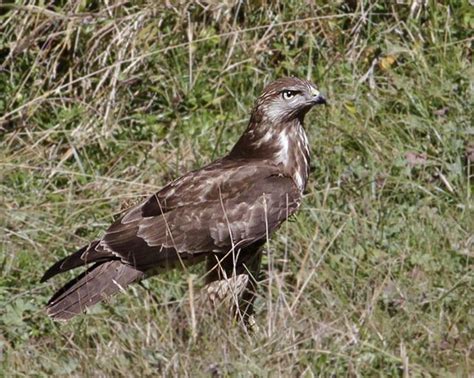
{"points": [[228, 218], [223, 206]]}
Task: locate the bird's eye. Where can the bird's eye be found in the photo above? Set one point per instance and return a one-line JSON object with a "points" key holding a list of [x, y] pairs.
{"points": [[287, 95]]}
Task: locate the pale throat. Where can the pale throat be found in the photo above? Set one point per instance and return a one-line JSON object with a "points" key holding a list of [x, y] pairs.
{"points": [[290, 150], [283, 143]]}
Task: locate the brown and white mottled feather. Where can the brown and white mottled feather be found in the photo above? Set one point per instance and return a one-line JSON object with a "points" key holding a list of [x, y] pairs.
{"points": [[231, 204]]}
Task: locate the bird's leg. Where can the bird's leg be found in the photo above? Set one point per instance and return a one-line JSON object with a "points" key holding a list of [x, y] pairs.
{"points": [[232, 280]]}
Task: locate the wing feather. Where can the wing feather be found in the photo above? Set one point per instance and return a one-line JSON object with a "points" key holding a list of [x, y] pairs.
{"points": [[240, 205]]}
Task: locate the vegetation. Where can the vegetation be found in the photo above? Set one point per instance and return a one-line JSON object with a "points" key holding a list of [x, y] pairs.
{"points": [[101, 105]]}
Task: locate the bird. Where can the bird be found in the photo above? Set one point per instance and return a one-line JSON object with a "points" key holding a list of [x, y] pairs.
{"points": [[222, 213]]}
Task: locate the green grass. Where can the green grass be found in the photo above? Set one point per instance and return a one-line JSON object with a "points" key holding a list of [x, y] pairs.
{"points": [[373, 277]]}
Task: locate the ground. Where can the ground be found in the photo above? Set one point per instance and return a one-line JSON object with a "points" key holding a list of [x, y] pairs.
{"points": [[103, 105]]}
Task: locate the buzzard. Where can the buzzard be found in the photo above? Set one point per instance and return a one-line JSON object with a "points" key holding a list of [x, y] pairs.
{"points": [[222, 213]]}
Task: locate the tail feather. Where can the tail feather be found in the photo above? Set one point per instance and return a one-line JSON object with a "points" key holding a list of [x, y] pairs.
{"points": [[95, 284], [85, 255]]}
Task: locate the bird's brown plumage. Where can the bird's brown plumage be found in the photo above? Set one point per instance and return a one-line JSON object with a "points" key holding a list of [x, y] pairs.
{"points": [[228, 207]]}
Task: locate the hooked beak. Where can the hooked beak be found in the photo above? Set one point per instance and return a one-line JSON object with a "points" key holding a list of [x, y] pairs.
{"points": [[318, 99]]}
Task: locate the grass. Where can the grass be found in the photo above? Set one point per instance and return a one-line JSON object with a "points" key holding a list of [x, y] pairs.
{"points": [[100, 106]]}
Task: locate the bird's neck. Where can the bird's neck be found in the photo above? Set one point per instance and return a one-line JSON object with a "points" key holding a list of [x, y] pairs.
{"points": [[284, 143]]}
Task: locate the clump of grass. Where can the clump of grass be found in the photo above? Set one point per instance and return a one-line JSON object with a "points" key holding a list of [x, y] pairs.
{"points": [[101, 105]]}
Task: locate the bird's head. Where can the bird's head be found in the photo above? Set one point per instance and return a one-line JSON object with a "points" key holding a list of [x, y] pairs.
{"points": [[288, 98], [276, 121]]}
